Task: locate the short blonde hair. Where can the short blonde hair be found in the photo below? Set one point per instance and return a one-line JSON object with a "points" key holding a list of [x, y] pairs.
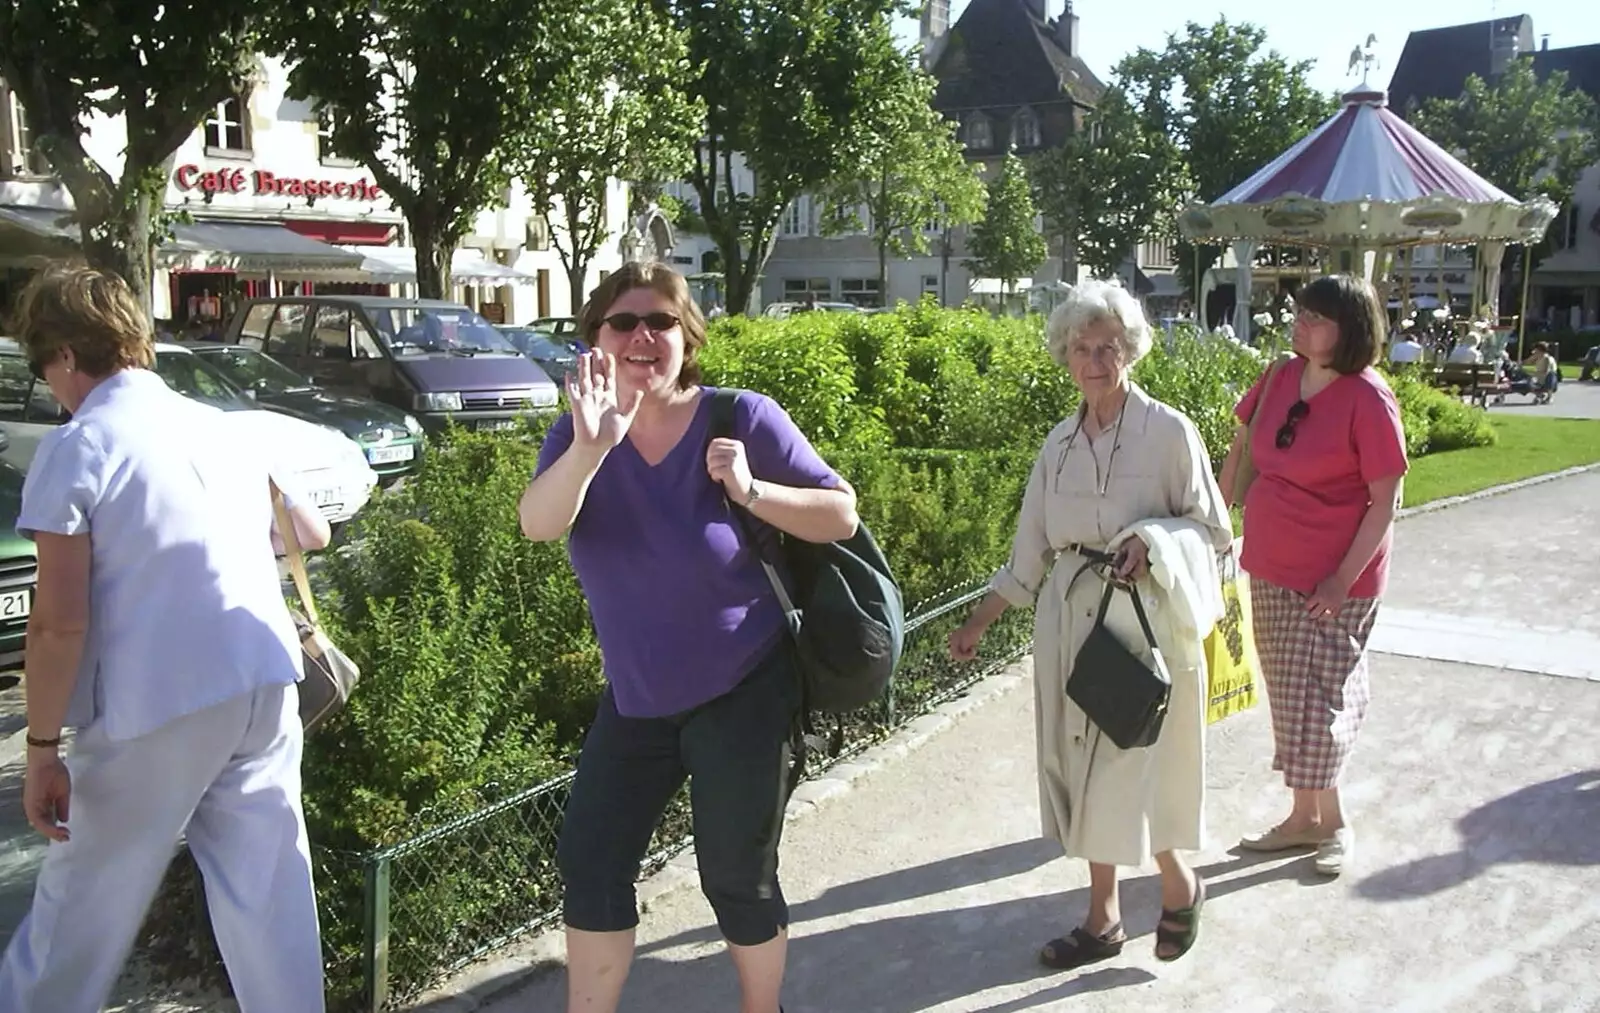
{"points": [[92, 312], [664, 280], [1093, 301]]}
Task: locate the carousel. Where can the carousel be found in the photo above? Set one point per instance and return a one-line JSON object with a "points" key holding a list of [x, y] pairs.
{"points": [[1363, 193]]}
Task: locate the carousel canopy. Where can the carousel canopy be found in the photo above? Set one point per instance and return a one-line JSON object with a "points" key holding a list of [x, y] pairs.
{"points": [[1366, 177]]}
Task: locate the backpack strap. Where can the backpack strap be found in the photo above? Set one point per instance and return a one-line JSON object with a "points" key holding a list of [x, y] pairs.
{"points": [[723, 427]]}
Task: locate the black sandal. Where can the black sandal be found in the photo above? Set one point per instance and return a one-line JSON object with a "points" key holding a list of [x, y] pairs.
{"points": [[1188, 917], [1080, 948]]}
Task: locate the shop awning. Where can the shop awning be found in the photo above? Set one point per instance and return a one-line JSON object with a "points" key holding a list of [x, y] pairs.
{"points": [[251, 248], [398, 265], [45, 223]]}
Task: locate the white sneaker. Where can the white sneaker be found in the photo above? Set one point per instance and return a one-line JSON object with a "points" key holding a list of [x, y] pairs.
{"points": [[1336, 851]]}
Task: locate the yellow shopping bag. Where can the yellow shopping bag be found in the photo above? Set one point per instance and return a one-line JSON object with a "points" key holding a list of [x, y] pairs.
{"points": [[1233, 670]]}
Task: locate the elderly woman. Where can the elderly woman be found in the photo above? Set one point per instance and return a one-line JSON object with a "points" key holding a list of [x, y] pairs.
{"points": [[1128, 474], [160, 633], [701, 681], [1330, 455]]}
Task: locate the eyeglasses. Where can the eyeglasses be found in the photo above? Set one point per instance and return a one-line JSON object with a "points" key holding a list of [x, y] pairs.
{"points": [[627, 323], [1297, 411]]}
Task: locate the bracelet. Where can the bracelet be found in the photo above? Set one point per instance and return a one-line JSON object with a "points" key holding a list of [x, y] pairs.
{"points": [[39, 743], [755, 494]]}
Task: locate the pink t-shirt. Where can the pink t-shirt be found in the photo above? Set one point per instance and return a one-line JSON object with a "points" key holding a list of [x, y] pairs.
{"points": [[1303, 509]]}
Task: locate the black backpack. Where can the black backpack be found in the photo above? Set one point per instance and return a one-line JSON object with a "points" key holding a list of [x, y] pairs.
{"points": [[846, 613]]}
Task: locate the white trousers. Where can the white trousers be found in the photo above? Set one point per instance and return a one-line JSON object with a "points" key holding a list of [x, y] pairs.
{"points": [[230, 776]]}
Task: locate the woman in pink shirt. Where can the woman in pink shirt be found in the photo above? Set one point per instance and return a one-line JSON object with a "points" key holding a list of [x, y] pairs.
{"points": [[1330, 455]]}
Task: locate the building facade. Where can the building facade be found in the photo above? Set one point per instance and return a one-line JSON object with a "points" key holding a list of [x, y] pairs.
{"points": [[1564, 290], [268, 209]]}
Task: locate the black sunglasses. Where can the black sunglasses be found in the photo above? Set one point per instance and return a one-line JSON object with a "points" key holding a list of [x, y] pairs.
{"points": [[627, 323], [37, 369], [1297, 411]]}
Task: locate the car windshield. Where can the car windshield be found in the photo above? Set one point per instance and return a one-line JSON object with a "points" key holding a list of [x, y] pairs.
{"points": [[538, 344], [415, 330], [193, 377], [252, 370]]}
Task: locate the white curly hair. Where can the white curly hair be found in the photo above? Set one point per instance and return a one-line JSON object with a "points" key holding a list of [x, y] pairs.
{"points": [[1092, 301]]}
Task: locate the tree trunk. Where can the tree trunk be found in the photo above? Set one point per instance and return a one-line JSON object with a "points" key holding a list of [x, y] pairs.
{"points": [[434, 249], [576, 275], [115, 236], [738, 287], [883, 272]]}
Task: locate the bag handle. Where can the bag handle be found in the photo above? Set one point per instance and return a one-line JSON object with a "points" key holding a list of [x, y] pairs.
{"points": [[722, 427], [1138, 609], [291, 544]]}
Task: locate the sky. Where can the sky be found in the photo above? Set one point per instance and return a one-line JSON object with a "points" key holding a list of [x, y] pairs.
{"points": [[1302, 30]]}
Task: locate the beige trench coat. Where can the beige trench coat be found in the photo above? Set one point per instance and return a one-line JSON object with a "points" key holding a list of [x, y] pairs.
{"points": [[1104, 804]]}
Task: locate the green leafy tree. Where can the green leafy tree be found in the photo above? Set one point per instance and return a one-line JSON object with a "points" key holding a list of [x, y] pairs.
{"points": [[437, 100], [1110, 187], [617, 111], [792, 88], [917, 176], [1526, 136], [1005, 243], [158, 65], [1229, 107]]}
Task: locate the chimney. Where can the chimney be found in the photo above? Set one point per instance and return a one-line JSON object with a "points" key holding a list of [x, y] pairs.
{"points": [[1067, 30], [1504, 45], [1544, 42], [935, 31]]}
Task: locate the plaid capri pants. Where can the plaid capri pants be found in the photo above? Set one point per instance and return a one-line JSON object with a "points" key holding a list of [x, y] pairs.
{"points": [[1318, 687]]}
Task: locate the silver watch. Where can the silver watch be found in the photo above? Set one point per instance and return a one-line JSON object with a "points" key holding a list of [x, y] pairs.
{"points": [[755, 494]]}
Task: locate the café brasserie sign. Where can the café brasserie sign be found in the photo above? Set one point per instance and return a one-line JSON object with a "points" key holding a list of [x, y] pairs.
{"points": [[262, 183]]}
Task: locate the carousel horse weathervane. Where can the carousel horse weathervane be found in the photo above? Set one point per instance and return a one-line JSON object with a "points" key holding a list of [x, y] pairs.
{"points": [[1364, 57]]}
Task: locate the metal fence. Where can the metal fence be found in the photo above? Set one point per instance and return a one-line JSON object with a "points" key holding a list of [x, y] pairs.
{"points": [[436, 902]]}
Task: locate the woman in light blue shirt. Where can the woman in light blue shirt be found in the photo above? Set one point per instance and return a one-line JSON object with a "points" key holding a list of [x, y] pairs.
{"points": [[158, 632]]}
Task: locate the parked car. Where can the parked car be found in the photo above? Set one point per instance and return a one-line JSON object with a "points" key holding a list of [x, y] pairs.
{"points": [[328, 466], [19, 569], [781, 310], [555, 357], [437, 359], [391, 439]]}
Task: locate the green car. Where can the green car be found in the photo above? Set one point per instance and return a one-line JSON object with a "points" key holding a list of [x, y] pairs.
{"points": [[19, 566], [391, 439]]}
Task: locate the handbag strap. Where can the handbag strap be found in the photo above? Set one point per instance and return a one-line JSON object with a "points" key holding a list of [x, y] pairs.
{"points": [[1096, 558], [1266, 386], [291, 544]]}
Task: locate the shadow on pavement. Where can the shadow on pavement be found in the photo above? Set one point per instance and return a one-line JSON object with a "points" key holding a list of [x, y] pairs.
{"points": [[1551, 823], [905, 963]]}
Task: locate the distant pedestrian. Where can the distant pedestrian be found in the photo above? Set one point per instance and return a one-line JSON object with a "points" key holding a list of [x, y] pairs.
{"points": [[1125, 477], [1330, 455], [159, 631], [701, 681]]}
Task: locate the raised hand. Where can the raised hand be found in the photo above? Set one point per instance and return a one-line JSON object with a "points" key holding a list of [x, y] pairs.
{"points": [[599, 419]]}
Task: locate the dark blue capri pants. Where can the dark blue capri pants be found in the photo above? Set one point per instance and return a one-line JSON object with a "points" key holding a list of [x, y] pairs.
{"points": [[734, 751]]}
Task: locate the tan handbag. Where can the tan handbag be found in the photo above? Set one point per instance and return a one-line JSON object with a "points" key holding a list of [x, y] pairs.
{"points": [[330, 675], [1244, 472]]}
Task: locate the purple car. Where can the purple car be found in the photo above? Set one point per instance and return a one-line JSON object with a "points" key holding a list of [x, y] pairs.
{"points": [[438, 360]]}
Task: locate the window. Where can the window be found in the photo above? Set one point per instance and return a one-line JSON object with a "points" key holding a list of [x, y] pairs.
{"points": [[794, 219], [20, 157], [253, 332], [330, 335], [325, 154], [798, 288], [226, 128], [975, 132], [287, 334], [1025, 130], [1566, 230], [538, 233], [861, 291], [1156, 253], [930, 284]]}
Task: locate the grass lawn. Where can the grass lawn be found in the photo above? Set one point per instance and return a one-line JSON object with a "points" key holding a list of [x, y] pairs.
{"points": [[1528, 446]]}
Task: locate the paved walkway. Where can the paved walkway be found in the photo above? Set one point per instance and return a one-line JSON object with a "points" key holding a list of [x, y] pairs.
{"points": [[1476, 792]]}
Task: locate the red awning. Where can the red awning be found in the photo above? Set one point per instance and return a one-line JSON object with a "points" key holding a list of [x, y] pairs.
{"points": [[343, 233]]}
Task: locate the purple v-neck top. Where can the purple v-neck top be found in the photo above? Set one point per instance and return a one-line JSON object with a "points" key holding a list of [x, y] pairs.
{"points": [[682, 609]]}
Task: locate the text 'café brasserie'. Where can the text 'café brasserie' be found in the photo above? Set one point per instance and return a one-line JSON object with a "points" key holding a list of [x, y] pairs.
{"points": [[256, 232]]}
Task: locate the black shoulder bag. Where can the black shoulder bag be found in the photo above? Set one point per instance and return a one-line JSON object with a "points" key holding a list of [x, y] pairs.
{"points": [[1124, 697]]}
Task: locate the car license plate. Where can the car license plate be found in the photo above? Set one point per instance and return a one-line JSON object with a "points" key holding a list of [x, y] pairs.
{"points": [[324, 497], [498, 425], [389, 455], [15, 604]]}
